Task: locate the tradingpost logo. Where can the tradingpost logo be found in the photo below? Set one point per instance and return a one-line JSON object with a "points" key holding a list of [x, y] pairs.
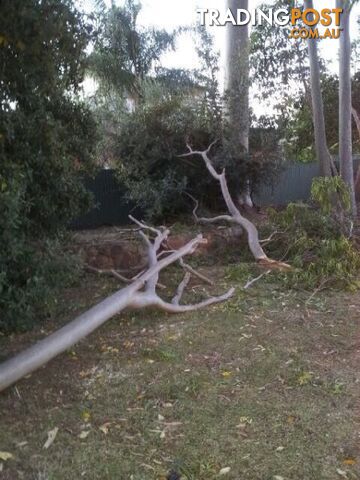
{"points": [[303, 23]]}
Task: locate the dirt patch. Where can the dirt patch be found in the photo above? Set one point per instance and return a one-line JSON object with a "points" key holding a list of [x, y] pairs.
{"points": [[122, 249]]}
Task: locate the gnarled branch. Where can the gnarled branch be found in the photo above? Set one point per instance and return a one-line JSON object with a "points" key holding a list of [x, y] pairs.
{"points": [[235, 215], [140, 293], [219, 218]]}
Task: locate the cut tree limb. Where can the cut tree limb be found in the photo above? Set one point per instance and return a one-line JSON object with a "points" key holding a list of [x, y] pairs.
{"points": [[181, 288], [114, 273], [235, 215], [249, 283], [132, 296], [190, 269], [219, 218]]}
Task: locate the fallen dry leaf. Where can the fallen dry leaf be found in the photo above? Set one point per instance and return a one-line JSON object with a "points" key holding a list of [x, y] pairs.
{"points": [[291, 419], [173, 424], [86, 416], [6, 456], [246, 420], [105, 428], [21, 444], [224, 471], [342, 473], [349, 461], [51, 437], [84, 434]]}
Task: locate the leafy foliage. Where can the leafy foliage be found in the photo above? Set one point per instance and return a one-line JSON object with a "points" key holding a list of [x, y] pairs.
{"points": [[153, 136], [167, 108], [170, 109], [147, 150], [276, 59], [124, 53], [314, 238], [46, 144], [324, 190], [299, 130]]}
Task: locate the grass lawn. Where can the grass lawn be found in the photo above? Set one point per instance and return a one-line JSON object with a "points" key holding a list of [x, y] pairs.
{"points": [[263, 387]]}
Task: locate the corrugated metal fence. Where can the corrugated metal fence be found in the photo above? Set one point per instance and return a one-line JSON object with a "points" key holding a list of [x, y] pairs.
{"points": [[112, 208], [293, 184]]}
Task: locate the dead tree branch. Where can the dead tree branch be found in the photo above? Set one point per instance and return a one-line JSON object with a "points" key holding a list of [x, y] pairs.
{"points": [[190, 269], [254, 280], [110, 272], [219, 218], [140, 293], [235, 215], [116, 274], [181, 288]]}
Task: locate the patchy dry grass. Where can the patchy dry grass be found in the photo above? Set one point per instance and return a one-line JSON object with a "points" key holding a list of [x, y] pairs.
{"points": [[264, 385]]}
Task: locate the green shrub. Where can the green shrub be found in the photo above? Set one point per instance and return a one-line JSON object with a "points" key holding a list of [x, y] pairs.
{"points": [[30, 281], [148, 146], [47, 139], [313, 238]]}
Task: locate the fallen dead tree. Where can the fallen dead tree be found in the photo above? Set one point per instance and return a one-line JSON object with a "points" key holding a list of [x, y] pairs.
{"points": [[140, 293], [234, 213]]}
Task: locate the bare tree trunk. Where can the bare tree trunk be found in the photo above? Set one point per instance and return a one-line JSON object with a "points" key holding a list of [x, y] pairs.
{"points": [[322, 152], [237, 77], [237, 86], [34, 357], [345, 105]]}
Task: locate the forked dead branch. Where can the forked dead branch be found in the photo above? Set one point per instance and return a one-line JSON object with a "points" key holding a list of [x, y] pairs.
{"points": [[234, 213], [140, 293]]}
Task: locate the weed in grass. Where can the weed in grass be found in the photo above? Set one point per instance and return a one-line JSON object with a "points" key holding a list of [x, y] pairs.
{"points": [[161, 354]]}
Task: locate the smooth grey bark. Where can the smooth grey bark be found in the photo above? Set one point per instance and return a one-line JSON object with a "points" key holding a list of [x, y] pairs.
{"points": [[345, 105], [235, 215], [237, 77], [237, 85], [322, 152], [40, 353]]}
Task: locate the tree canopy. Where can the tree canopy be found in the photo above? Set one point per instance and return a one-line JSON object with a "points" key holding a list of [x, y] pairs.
{"points": [[47, 138]]}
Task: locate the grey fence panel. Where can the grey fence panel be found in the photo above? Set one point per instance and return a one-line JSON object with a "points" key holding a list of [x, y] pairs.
{"points": [[111, 206], [293, 184]]}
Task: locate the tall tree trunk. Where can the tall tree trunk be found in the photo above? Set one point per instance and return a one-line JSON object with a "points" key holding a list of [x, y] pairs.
{"points": [[237, 84], [345, 133], [322, 152]]}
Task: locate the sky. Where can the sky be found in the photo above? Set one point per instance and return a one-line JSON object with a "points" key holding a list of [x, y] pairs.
{"points": [[170, 14]]}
